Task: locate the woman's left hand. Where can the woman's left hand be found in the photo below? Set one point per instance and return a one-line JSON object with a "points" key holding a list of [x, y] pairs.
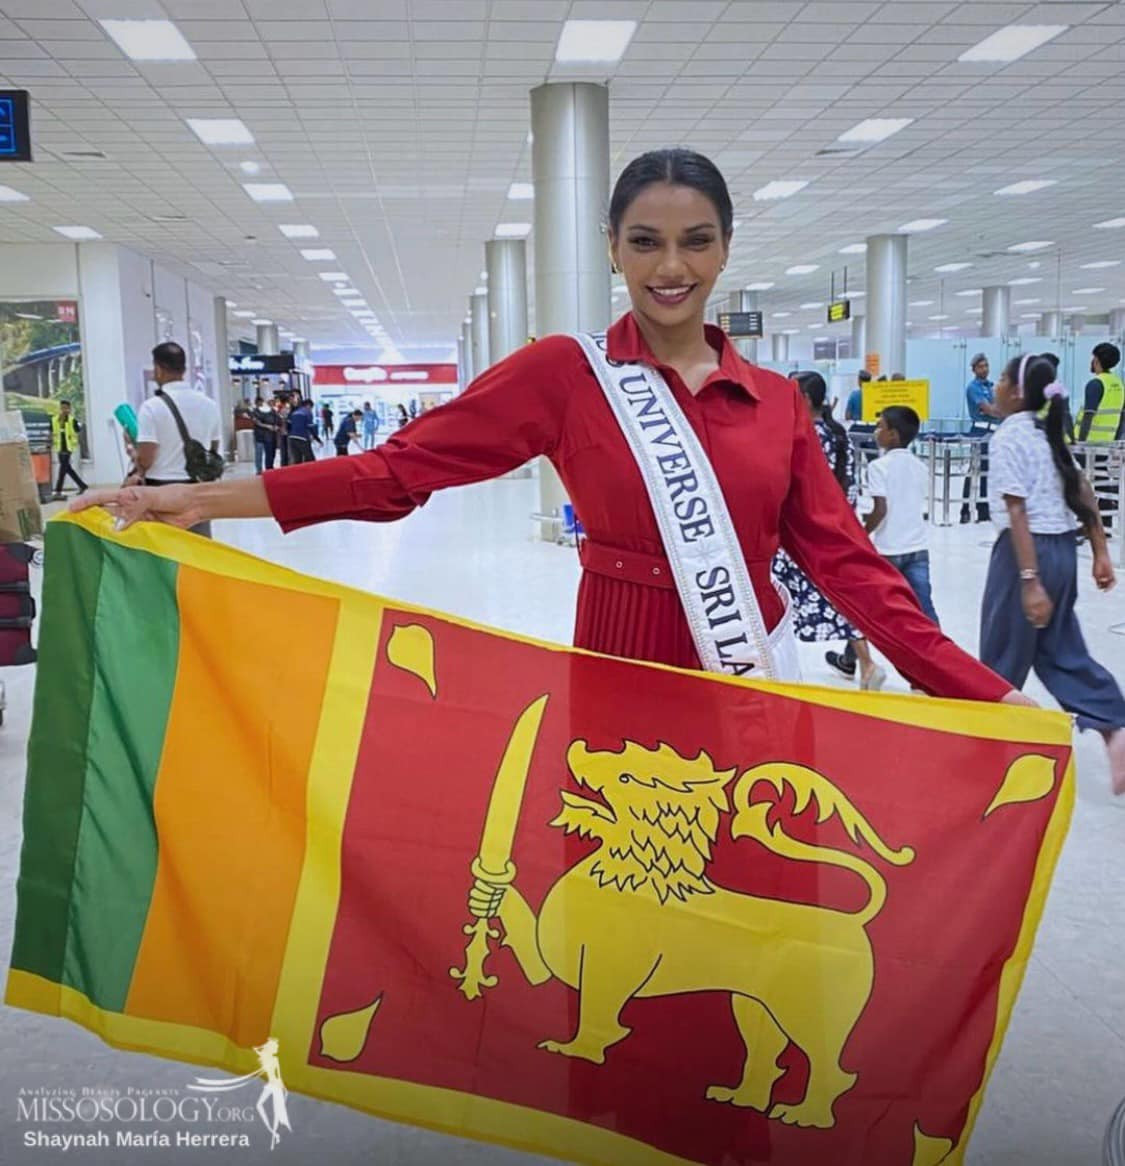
{"points": [[1104, 575], [1018, 698]]}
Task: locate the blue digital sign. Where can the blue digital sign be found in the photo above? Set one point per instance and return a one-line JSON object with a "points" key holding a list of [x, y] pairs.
{"points": [[15, 132]]}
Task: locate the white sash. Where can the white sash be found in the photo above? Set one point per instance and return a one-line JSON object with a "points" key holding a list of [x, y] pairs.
{"points": [[695, 525]]}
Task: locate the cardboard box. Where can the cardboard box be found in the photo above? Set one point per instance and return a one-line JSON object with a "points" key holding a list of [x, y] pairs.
{"points": [[20, 515]]}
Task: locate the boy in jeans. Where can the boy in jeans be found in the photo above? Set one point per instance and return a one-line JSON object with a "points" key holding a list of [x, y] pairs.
{"points": [[897, 482]]}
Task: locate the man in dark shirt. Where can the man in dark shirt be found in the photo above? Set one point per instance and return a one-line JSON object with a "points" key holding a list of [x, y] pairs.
{"points": [[302, 433], [347, 432], [265, 436]]}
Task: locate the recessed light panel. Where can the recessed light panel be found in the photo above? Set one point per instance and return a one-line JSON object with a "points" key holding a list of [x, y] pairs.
{"points": [[802, 269], [594, 41], [223, 131], [298, 230], [268, 191], [874, 129], [149, 40], [1012, 42], [512, 230], [7, 194], [783, 188], [917, 225], [79, 234], [317, 254]]}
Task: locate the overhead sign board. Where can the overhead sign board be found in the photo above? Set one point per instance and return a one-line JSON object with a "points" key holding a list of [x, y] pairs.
{"points": [[15, 126], [265, 365], [741, 325], [839, 311]]}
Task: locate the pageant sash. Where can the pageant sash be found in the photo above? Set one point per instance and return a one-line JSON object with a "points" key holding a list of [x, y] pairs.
{"points": [[699, 537]]}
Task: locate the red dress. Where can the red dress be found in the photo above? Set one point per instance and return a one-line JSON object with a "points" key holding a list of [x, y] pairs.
{"points": [[544, 400]]}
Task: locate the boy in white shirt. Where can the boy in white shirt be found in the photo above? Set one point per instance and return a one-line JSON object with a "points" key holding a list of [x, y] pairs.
{"points": [[897, 482]]}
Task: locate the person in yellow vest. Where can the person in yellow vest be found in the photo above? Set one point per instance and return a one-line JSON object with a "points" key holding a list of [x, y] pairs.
{"points": [[65, 428], [1100, 419]]}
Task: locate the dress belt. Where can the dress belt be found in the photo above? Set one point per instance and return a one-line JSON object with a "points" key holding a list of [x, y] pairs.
{"points": [[634, 566]]}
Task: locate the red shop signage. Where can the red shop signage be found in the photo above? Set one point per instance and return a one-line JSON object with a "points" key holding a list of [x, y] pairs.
{"points": [[365, 376]]}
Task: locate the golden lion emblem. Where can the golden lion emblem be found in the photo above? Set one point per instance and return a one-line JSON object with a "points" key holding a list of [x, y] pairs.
{"points": [[639, 917]]}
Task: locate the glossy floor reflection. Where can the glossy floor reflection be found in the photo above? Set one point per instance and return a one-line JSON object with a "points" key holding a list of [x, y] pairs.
{"points": [[472, 553]]}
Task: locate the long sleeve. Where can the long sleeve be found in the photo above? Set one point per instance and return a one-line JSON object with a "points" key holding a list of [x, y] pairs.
{"points": [[820, 530], [511, 413]]}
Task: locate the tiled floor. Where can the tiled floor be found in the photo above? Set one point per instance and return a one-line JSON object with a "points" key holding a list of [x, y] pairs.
{"points": [[471, 552]]}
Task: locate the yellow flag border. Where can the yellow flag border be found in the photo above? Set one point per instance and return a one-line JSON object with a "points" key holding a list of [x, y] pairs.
{"points": [[311, 929]]}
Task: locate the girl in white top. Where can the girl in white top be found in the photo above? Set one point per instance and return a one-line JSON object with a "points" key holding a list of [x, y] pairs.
{"points": [[1038, 496]]}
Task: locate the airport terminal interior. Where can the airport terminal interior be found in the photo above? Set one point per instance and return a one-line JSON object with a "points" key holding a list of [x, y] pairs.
{"points": [[370, 203]]}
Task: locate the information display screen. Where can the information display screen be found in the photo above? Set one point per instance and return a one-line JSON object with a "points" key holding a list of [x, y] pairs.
{"points": [[15, 128], [269, 365], [741, 325], [839, 310]]}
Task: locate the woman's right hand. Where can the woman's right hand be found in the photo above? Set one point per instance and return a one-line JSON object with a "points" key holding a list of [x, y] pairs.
{"points": [[174, 505], [1037, 605]]}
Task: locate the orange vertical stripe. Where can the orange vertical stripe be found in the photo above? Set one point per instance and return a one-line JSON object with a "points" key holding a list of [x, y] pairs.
{"points": [[230, 803]]}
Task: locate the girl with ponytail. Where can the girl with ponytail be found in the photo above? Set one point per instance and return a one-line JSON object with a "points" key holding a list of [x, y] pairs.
{"points": [[1038, 496], [815, 619]]}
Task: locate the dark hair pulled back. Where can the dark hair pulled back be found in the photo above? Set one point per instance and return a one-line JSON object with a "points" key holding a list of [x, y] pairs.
{"points": [[676, 166], [815, 391], [1038, 373]]}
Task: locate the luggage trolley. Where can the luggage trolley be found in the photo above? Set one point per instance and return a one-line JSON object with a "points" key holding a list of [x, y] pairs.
{"points": [[17, 608]]}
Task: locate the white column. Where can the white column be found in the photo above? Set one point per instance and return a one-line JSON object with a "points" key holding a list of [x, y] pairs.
{"points": [[779, 345], [1050, 324], [506, 262], [996, 310], [859, 337], [1117, 323], [886, 302], [478, 310], [462, 377], [467, 345], [570, 169], [224, 389], [268, 342], [302, 357]]}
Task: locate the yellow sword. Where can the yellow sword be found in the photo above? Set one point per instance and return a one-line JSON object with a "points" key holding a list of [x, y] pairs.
{"points": [[493, 864]]}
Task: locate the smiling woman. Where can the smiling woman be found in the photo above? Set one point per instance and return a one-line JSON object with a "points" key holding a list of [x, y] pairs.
{"points": [[688, 466]]}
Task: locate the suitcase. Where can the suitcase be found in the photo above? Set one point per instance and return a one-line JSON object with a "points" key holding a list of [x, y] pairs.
{"points": [[17, 605]]}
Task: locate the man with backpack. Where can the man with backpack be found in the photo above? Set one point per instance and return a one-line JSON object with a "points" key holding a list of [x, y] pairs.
{"points": [[178, 429]]}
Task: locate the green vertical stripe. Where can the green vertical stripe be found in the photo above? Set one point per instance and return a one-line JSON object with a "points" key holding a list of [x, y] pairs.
{"points": [[136, 649], [56, 770]]}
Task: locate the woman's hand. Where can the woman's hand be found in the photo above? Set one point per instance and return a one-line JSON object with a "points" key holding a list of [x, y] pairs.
{"points": [[1104, 575], [1016, 697], [174, 505], [1037, 605]]}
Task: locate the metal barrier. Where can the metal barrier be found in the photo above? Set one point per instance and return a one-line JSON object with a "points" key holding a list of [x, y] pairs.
{"points": [[1103, 463]]}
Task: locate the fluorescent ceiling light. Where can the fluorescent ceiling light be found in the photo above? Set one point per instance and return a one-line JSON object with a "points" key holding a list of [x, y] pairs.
{"points": [[299, 230], [940, 316], [916, 225], [920, 303], [1024, 280], [346, 291], [974, 311], [855, 295], [1013, 42], [7, 194], [1024, 303], [970, 291], [780, 189], [480, 291], [1100, 263], [593, 41], [250, 167], [317, 254], [1075, 308], [790, 331], [231, 304], [149, 40], [333, 276], [1087, 291], [521, 190], [949, 267], [810, 305], [268, 191], [78, 233], [1109, 224], [483, 277], [512, 230], [245, 315], [223, 131], [802, 269], [875, 129], [781, 315], [1028, 186], [854, 249], [1032, 245], [1030, 315], [264, 323], [759, 286]]}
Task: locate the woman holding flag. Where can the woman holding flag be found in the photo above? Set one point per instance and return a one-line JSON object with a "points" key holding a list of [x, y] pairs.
{"points": [[688, 465]]}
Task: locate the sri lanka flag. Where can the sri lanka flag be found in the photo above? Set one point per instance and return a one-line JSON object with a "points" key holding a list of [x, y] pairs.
{"points": [[603, 910]]}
